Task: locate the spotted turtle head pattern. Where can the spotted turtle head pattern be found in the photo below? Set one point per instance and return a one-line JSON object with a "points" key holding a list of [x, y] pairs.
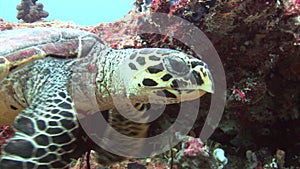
{"points": [[165, 73]]}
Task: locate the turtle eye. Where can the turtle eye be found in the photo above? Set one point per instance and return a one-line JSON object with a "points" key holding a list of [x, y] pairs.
{"points": [[176, 65]]}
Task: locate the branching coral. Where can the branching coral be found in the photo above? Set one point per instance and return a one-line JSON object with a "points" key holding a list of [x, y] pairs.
{"points": [[30, 11]]}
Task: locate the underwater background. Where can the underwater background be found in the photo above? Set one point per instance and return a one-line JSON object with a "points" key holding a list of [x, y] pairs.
{"points": [[258, 42], [89, 12]]}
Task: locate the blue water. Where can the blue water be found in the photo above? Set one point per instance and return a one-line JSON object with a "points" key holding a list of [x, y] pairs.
{"points": [[87, 12]]}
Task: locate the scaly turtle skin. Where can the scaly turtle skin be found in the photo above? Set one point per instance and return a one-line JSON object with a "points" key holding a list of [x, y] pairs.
{"points": [[39, 68]]}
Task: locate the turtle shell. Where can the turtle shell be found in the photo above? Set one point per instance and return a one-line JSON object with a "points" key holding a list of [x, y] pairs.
{"points": [[21, 46]]}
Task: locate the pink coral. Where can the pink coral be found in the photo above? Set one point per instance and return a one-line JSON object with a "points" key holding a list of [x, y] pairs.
{"points": [[193, 147], [292, 7]]}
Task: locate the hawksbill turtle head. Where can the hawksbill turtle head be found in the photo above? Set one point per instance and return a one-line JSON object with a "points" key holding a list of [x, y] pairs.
{"points": [[164, 74]]}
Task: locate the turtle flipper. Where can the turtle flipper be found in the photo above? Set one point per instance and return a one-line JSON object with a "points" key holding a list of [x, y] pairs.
{"points": [[125, 127], [135, 126], [47, 132], [46, 136]]}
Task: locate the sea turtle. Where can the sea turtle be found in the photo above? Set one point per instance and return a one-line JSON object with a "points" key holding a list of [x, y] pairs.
{"points": [[37, 71]]}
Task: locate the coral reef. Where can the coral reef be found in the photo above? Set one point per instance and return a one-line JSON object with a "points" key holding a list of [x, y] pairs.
{"points": [[192, 11], [30, 11], [258, 43], [194, 154]]}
